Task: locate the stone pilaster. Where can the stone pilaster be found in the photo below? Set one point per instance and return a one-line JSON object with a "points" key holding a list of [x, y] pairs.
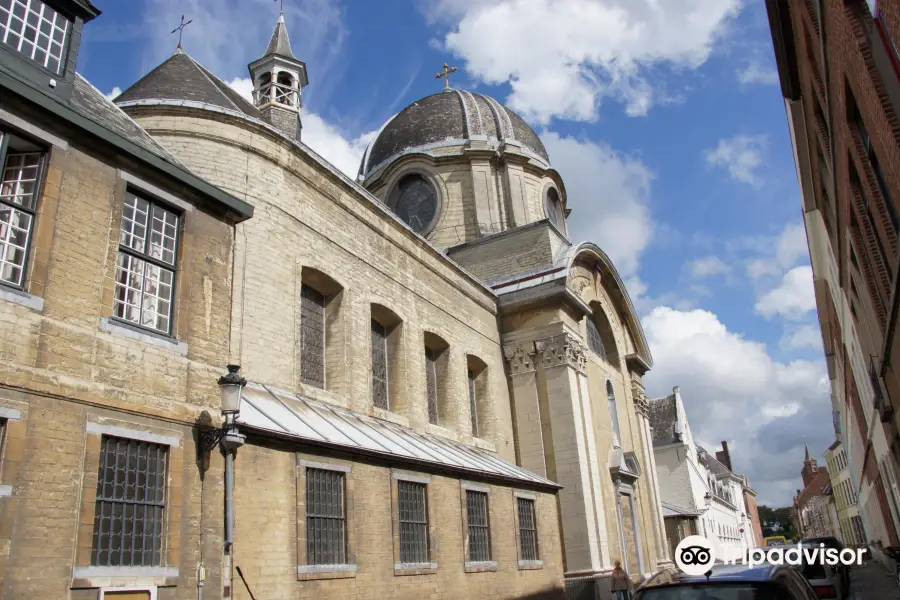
{"points": [[531, 451], [642, 407]]}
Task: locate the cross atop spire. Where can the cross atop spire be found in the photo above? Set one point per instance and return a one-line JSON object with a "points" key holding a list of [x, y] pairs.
{"points": [[445, 74], [180, 30], [282, 10]]}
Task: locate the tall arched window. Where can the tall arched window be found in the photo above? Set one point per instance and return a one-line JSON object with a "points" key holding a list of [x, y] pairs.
{"points": [[552, 206], [595, 340], [613, 413], [600, 337]]}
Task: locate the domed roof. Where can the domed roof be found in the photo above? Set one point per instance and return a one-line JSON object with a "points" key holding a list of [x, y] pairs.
{"points": [[450, 117]]}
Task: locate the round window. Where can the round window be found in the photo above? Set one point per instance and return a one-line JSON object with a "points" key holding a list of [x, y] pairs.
{"points": [[551, 205], [416, 202]]}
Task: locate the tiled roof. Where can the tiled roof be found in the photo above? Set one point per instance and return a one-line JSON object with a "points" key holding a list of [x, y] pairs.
{"points": [[295, 417], [182, 78], [663, 414]]}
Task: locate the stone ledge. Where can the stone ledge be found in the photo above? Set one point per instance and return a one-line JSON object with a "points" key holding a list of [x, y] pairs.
{"points": [[391, 417], [530, 565], [403, 569], [102, 577], [313, 572], [22, 298], [114, 327], [488, 566]]}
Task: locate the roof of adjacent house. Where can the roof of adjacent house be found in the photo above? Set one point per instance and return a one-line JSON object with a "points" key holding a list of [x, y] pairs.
{"points": [[816, 487], [663, 415]]}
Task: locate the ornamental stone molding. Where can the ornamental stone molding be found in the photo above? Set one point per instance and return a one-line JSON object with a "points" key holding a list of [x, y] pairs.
{"points": [[563, 349], [520, 358], [641, 402]]}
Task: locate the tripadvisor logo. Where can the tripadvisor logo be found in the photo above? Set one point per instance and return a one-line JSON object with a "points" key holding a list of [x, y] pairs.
{"points": [[694, 555], [802, 555]]}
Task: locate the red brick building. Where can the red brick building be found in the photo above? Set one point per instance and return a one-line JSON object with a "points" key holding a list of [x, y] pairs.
{"points": [[839, 70]]}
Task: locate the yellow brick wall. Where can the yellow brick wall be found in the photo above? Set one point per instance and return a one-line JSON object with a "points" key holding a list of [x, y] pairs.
{"points": [[269, 507]]}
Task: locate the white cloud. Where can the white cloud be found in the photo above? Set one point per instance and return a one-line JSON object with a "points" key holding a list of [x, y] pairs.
{"points": [[321, 136], [609, 193], [793, 298], [562, 57], [708, 266], [735, 391], [112, 95], [741, 156], [755, 72], [775, 256], [804, 336]]}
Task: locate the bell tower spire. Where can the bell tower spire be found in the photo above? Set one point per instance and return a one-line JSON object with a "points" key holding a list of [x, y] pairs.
{"points": [[278, 79]]}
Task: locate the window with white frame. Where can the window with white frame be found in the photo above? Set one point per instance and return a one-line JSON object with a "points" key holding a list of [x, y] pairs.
{"points": [[145, 267], [20, 179], [131, 501], [35, 30]]}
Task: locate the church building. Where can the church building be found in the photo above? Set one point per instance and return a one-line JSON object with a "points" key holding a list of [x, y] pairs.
{"points": [[431, 389]]}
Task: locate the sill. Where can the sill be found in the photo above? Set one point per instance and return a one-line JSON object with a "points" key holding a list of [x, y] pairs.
{"points": [[484, 444], [22, 298], [488, 566], [403, 569], [391, 417], [101, 577], [440, 432], [313, 572], [116, 327], [530, 565]]}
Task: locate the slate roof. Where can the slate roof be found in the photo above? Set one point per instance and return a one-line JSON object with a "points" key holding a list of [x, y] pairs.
{"points": [[663, 414], [280, 44], [182, 78], [308, 421], [450, 116], [712, 463], [90, 103]]}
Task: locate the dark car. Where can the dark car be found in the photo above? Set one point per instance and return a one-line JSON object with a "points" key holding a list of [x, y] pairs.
{"points": [[832, 542], [728, 582]]}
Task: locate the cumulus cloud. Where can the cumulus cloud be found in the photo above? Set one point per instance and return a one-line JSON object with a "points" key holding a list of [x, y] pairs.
{"points": [[115, 92], [609, 193], [756, 73], [708, 266], [595, 49], [793, 298], [741, 156], [804, 336], [735, 391]]}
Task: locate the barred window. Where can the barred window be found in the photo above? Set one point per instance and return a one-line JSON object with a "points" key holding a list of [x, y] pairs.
{"points": [[479, 526], [473, 402], [413, 507], [312, 336], [32, 28], [379, 365], [145, 268], [528, 546], [20, 179], [431, 384], [326, 519], [595, 341], [131, 500]]}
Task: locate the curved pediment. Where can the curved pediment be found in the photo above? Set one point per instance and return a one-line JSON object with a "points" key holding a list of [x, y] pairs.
{"points": [[593, 277]]}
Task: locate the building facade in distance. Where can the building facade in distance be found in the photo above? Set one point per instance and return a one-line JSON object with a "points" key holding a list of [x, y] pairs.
{"points": [[811, 510], [849, 529], [840, 77]]}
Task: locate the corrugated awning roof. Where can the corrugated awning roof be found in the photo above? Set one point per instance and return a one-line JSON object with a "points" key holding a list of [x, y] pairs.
{"points": [[289, 415]]}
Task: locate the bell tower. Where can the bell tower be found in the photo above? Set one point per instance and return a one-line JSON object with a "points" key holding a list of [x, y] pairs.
{"points": [[810, 468], [278, 79]]}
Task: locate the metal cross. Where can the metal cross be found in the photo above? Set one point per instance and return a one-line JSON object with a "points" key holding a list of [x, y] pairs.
{"points": [[446, 74], [282, 5], [180, 29]]}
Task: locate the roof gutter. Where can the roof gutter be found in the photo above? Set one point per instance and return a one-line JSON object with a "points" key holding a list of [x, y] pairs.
{"points": [[237, 209]]}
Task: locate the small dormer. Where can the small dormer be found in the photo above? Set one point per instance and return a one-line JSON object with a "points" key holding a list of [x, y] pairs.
{"points": [[40, 41], [278, 80]]}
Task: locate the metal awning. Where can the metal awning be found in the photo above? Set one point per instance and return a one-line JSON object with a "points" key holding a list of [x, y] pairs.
{"points": [[288, 415]]}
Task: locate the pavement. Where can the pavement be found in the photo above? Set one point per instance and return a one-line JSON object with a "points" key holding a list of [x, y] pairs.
{"points": [[871, 581]]}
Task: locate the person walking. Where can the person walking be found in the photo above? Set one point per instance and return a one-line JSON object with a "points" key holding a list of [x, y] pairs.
{"points": [[620, 582]]}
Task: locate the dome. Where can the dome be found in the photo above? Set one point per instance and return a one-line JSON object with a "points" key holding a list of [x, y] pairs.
{"points": [[450, 118]]}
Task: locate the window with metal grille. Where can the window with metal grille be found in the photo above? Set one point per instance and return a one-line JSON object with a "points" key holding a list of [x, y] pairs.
{"points": [[431, 384], [479, 526], [131, 500], [527, 529], [379, 366], [312, 336], [20, 178], [613, 412], [413, 507], [473, 402], [595, 340], [145, 267], [35, 30], [326, 519]]}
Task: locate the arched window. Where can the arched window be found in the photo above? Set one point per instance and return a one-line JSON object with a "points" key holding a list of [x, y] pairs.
{"points": [[600, 338], [387, 381], [321, 332], [436, 393], [479, 402], [552, 206], [613, 414], [595, 340], [284, 91]]}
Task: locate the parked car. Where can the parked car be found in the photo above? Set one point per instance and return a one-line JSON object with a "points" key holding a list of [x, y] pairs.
{"points": [[828, 582], [728, 582], [832, 542]]}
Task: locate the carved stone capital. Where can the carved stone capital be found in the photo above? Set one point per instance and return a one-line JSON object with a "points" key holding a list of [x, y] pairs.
{"points": [[641, 402], [520, 358], [563, 349]]}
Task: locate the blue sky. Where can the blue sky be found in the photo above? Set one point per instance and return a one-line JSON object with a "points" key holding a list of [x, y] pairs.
{"points": [[665, 119]]}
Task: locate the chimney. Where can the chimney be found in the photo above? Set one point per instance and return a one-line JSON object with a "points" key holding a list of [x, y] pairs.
{"points": [[724, 456]]}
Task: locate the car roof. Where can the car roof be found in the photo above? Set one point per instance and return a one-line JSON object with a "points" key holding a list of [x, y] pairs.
{"points": [[718, 573]]}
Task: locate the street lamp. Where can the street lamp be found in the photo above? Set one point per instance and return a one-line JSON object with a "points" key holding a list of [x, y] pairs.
{"points": [[707, 499], [231, 387]]}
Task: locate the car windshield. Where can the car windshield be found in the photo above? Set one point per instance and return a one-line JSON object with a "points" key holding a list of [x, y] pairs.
{"points": [[714, 591]]}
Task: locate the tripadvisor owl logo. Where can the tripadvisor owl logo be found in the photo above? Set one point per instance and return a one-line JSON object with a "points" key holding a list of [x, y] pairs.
{"points": [[694, 555]]}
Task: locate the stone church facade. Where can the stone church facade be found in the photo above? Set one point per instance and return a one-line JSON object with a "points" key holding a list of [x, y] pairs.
{"points": [[445, 394]]}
